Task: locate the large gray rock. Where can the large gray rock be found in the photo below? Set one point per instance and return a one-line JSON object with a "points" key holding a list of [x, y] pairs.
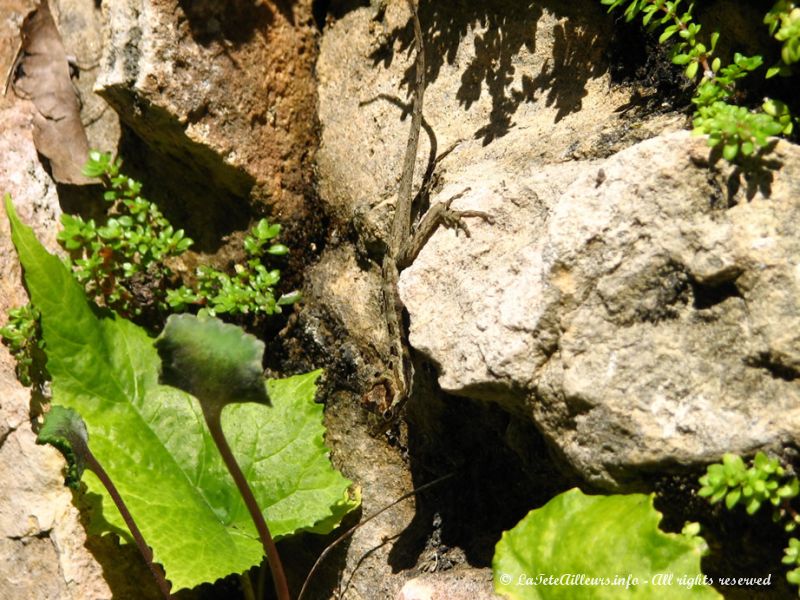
{"points": [[640, 309]]}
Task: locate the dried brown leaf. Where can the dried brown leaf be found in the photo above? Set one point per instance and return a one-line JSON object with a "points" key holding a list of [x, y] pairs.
{"points": [[44, 78]]}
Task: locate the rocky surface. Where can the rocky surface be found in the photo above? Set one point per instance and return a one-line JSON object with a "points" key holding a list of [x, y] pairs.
{"points": [[517, 99], [492, 68], [222, 99], [469, 584], [639, 311], [635, 304], [40, 530]]}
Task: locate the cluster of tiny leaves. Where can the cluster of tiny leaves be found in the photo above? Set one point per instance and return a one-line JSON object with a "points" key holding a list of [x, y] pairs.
{"points": [[22, 335], [132, 244], [783, 20], [735, 130], [129, 250], [250, 290], [764, 481], [792, 558]]}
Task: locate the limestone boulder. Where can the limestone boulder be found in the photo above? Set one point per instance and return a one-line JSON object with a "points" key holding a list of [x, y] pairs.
{"points": [[641, 309]]}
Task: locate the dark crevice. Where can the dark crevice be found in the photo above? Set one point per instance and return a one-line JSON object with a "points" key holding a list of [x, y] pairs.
{"points": [[709, 295], [763, 360], [5, 435], [502, 468], [233, 22], [39, 535], [336, 9]]}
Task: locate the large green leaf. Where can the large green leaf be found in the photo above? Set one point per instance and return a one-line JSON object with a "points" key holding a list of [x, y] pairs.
{"points": [[597, 547], [153, 442]]}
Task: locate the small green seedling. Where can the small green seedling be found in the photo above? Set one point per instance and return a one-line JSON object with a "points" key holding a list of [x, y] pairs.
{"points": [[251, 290], [783, 20], [129, 249], [792, 558], [22, 336], [132, 247], [765, 481], [64, 429], [219, 364]]}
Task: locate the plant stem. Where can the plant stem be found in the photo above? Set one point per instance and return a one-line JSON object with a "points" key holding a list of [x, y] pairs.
{"points": [[147, 553], [247, 586], [353, 529], [703, 59], [278, 576]]}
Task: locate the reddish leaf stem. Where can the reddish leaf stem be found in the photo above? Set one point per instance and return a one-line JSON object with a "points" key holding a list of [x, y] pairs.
{"points": [[271, 551], [147, 553]]}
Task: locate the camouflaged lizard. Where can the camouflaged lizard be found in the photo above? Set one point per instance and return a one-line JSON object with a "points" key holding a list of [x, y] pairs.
{"points": [[404, 244]]}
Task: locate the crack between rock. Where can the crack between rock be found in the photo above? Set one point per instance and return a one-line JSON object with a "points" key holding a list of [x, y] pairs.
{"points": [[35, 536], [4, 437]]}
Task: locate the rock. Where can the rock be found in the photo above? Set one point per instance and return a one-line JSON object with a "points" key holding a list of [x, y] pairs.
{"points": [[80, 23], [539, 78], [458, 584], [513, 101], [223, 97], [40, 530], [623, 305]]}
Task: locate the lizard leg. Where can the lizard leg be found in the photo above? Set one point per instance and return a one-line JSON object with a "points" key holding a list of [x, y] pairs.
{"points": [[438, 214]]}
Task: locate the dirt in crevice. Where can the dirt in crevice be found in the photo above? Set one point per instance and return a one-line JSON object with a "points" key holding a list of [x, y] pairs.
{"points": [[501, 469], [637, 60]]}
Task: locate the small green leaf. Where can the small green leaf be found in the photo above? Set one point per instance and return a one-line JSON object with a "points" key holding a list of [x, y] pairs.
{"points": [[729, 151], [278, 250], [290, 298], [667, 33], [64, 429], [212, 360], [732, 498], [752, 506]]}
